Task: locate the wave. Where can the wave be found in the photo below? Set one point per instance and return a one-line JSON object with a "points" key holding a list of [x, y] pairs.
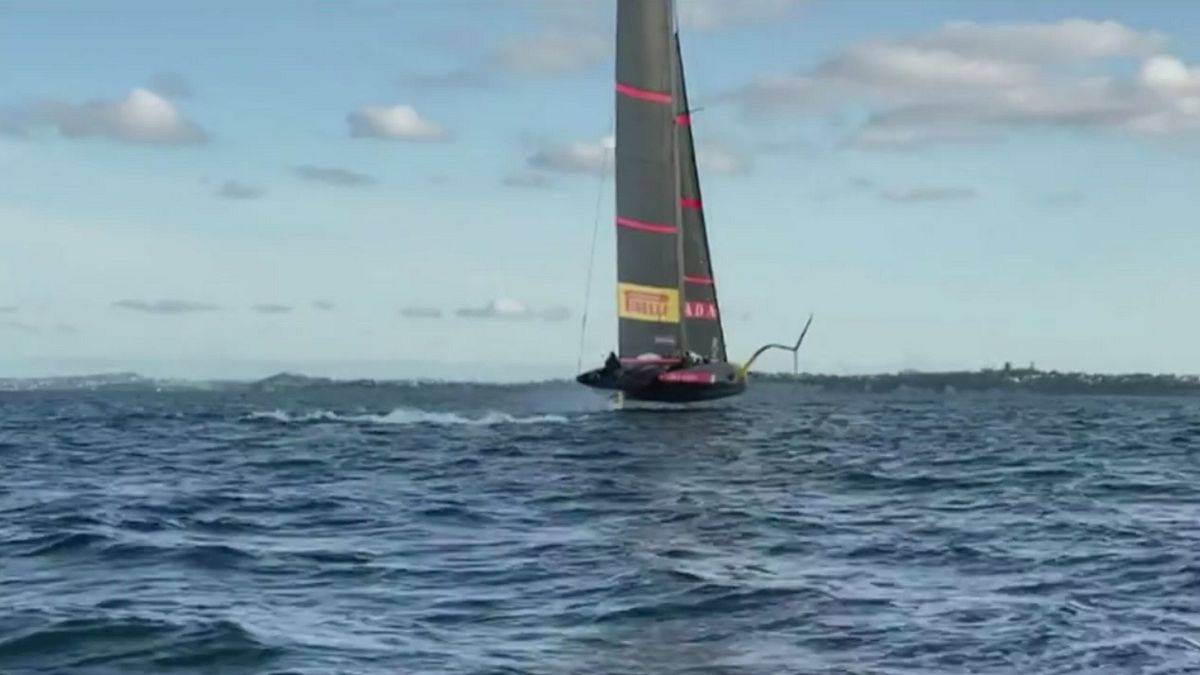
{"points": [[408, 416], [84, 643], [53, 544]]}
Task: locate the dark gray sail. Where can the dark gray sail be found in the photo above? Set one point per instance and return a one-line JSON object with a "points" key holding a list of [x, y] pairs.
{"points": [[649, 306], [701, 312]]}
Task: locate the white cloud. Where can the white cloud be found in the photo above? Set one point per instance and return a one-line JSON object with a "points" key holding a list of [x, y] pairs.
{"points": [[972, 82], [397, 122], [507, 307], [904, 69], [717, 14], [591, 157], [513, 310], [722, 159], [1066, 39], [553, 51], [1166, 73], [140, 117], [1176, 88]]}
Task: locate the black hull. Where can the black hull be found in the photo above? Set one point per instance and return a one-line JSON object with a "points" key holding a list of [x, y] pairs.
{"points": [[645, 385], [664, 392]]}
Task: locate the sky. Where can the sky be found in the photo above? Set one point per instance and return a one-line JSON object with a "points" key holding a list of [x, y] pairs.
{"points": [[401, 188]]}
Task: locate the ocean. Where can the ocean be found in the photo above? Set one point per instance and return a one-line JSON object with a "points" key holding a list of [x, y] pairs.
{"points": [[529, 529]]}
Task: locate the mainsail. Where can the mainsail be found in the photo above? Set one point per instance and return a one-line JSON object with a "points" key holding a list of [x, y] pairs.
{"points": [[666, 296]]}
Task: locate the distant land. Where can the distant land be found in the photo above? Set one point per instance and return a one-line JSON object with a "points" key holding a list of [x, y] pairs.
{"points": [[1002, 379], [998, 379]]}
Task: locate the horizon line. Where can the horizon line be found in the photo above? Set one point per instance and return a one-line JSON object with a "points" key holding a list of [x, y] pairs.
{"points": [[423, 379]]}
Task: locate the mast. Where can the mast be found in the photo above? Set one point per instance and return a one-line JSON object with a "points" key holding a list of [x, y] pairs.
{"points": [[677, 91]]}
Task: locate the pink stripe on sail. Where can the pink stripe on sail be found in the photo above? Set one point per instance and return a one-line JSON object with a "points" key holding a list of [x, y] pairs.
{"points": [[683, 120], [689, 203], [643, 94], [697, 279], [646, 227]]}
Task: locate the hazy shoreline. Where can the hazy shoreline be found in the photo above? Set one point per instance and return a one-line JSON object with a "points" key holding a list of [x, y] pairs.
{"points": [[1007, 379]]}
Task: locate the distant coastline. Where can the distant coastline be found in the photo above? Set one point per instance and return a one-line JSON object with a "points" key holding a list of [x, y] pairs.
{"points": [[999, 379], [1003, 379]]}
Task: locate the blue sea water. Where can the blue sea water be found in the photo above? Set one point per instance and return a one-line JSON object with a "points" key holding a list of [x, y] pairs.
{"points": [[529, 529]]}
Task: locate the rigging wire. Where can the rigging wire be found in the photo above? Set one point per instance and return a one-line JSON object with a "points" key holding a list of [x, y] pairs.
{"points": [[587, 293]]}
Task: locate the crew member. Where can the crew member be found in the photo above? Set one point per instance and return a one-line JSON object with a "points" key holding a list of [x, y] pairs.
{"points": [[612, 363]]}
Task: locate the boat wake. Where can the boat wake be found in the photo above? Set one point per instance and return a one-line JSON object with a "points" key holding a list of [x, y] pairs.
{"points": [[407, 416]]}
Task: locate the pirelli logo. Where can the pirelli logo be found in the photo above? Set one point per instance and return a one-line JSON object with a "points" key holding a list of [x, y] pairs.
{"points": [[648, 303]]}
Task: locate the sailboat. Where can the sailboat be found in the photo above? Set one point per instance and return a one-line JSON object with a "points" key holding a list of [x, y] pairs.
{"points": [[671, 335]]}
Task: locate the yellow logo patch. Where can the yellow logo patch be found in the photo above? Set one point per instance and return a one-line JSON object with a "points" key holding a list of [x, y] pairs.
{"points": [[648, 303]]}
